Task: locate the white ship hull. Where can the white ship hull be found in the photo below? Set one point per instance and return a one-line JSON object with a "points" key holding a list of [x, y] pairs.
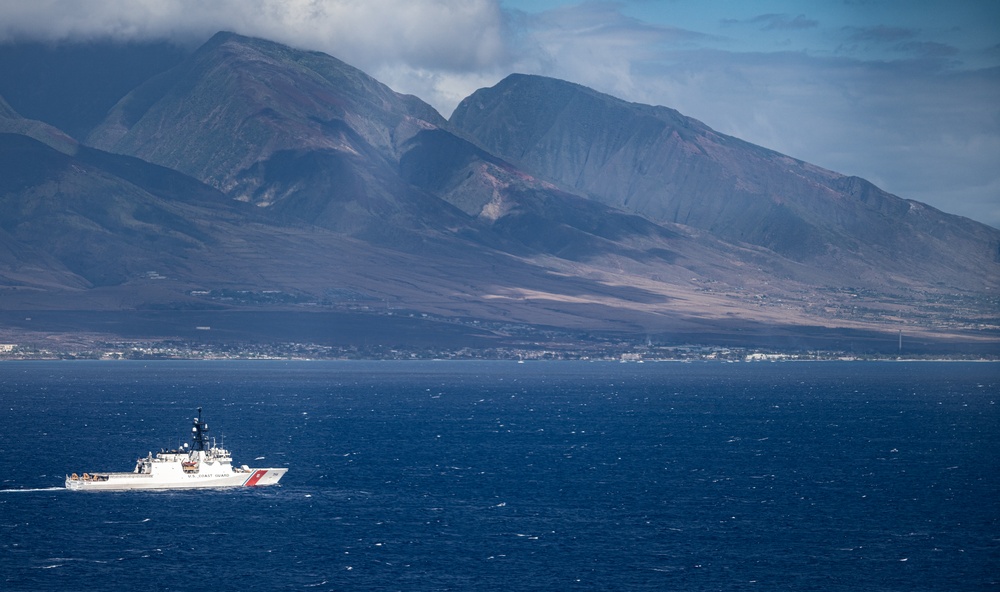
{"points": [[201, 467], [129, 481]]}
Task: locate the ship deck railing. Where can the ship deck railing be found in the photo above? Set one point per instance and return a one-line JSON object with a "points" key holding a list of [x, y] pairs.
{"points": [[104, 476]]}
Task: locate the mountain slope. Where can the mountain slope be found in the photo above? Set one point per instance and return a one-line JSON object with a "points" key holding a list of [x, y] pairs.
{"points": [[13, 123], [103, 232], [90, 222], [269, 125], [655, 162]]}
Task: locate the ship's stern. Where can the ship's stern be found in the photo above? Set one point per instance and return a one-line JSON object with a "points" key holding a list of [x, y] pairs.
{"points": [[262, 477]]}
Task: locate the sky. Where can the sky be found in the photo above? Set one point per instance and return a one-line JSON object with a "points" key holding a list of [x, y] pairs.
{"points": [[905, 93]]}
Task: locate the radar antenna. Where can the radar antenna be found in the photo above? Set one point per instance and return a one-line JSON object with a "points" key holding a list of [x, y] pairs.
{"points": [[199, 433]]}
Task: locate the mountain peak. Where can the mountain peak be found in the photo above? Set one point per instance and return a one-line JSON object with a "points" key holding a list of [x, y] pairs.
{"points": [[533, 87], [238, 102]]}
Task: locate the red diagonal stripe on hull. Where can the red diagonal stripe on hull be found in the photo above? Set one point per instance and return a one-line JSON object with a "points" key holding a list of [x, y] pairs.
{"points": [[252, 481]]}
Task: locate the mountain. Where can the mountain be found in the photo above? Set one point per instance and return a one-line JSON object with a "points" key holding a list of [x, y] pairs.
{"points": [[106, 233], [307, 137], [12, 122], [97, 219], [273, 194], [666, 167], [299, 132]]}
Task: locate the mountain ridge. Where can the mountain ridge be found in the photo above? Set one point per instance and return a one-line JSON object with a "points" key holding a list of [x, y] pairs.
{"points": [[680, 170], [274, 171]]}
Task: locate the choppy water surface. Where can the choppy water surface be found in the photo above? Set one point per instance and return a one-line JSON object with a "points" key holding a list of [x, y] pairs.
{"points": [[504, 476]]}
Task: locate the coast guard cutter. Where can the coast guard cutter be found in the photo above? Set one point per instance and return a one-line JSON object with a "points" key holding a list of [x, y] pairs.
{"points": [[203, 465]]}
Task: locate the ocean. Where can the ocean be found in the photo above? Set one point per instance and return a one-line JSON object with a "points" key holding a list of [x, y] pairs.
{"points": [[503, 476]]}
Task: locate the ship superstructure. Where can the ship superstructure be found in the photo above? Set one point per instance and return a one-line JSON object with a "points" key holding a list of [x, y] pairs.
{"points": [[198, 465]]}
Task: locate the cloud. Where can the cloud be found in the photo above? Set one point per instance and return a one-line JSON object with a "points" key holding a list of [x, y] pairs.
{"points": [[782, 22], [928, 49], [879, 34], [776, 22], [448, 34], [592, 43], [899, 40]]}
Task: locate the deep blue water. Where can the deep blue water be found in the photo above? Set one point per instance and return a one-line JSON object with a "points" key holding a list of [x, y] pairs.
{"points": [[504, 476]]}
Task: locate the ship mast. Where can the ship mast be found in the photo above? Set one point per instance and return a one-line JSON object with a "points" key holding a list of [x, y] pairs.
{"points": [[199, 433]]}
